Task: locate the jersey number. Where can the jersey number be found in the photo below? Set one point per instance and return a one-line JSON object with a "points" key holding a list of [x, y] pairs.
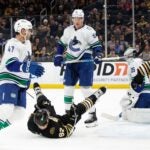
{"points": [[61, 132], [11, 48], [132, 69]]}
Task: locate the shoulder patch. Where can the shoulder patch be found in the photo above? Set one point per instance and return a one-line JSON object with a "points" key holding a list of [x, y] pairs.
{"points": [[52, 130]]}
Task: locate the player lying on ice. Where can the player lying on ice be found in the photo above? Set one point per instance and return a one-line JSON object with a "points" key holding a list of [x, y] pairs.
{"points": [[46, 122]]}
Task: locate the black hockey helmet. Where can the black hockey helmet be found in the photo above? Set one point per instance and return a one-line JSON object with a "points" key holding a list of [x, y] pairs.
{"points": [[41, 117]]}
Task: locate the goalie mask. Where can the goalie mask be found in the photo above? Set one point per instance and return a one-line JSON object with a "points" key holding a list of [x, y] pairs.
{"points": [[130, 53], [41, 117]]}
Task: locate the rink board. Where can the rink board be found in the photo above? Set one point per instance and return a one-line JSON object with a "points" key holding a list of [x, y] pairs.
{"points": [[110, 74]]}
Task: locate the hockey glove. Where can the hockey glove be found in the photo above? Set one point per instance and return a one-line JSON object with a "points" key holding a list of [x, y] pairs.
{"points": [[33, 68], [138, 82], [129, 100], [58, 59], [74, 116], [43, 102], [97, 58], [137, 87]]}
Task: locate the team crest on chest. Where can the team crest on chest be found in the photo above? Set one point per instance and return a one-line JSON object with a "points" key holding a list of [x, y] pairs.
{"points": [[75, 44]]}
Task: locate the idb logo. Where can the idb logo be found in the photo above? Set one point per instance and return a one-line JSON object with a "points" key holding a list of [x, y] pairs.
{"points": [[112, 68]]}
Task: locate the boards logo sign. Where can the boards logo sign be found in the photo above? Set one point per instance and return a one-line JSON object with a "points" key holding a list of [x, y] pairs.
{"points": [[107, 69], [112, 68]]}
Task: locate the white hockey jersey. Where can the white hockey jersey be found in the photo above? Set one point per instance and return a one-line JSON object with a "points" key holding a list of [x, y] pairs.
{"points": [[79, 41], [133, 65], [20, 51]]}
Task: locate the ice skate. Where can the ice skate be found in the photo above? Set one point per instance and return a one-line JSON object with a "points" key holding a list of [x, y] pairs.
{"points": [[92, 120]]}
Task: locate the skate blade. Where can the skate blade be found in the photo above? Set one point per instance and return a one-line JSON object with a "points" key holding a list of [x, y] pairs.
{"points": [[91, 125]]}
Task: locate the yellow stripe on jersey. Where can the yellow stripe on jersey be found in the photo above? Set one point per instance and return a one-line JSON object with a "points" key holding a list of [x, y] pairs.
{"points": [[145, 68], [87, 103], [148, 66], [68, 128], [141, 71]]}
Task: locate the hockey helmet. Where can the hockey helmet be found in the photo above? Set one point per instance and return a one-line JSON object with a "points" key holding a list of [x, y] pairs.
{"points": [[78, 13], [22, 24], [130, 52], [41, 117]]}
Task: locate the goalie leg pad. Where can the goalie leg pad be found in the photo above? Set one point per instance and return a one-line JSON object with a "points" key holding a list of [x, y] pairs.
{"points": [[138, 115]]}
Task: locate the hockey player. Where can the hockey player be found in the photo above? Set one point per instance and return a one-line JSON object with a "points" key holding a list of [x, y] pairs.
{"points": [[79, 42], [138, 97], [15, 70], [46, 122]]}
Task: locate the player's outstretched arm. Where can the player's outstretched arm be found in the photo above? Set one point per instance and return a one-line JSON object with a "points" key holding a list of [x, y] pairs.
{"points": [[28, 67]]}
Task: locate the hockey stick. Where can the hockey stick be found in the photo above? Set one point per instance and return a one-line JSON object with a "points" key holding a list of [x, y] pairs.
{"points": [[111, 117], [113, 58], [30, 95], [90, 60], [77, 61]]}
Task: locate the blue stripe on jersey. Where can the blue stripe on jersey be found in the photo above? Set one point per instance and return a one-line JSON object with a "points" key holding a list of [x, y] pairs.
{"points": [[97, 47], [13, 65], [60, 47]]}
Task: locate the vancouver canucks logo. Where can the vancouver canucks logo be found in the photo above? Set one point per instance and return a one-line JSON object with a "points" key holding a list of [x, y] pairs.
{"points": [[74, 45]]}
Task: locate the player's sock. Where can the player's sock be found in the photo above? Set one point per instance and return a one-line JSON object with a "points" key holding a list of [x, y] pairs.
{"points": [[37, 90], [99, 92], [4, 124], [92, 119], [68, 100], [42, 100]]}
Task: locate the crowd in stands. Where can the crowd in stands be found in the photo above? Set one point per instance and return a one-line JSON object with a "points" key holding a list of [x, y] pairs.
{"points": [[49, 26]]}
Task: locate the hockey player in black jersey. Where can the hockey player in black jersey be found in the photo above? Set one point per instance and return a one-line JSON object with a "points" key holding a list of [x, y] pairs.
{"points": [[46, 122]]}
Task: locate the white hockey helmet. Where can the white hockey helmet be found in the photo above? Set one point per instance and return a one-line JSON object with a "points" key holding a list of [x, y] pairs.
{"points": [[130, 52], [22, 24], [78, 13]]}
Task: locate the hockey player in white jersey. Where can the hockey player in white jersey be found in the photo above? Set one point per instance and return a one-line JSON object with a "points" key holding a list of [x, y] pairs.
{"points": [[137, 98], [15, 73], [79, 42]]}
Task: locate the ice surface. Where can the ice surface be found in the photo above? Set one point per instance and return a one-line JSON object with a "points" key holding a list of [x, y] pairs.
{"points": [[109, 135]]}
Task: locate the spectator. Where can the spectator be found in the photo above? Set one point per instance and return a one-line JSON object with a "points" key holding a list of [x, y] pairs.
{"points": [[44, 29], [146, 53]]}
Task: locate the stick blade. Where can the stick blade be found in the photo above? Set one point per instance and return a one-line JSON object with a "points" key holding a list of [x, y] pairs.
{"points": [[110, 117]]}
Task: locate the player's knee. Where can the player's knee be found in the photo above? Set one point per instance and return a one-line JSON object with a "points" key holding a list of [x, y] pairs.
{"points": [[86, 90], [19, 113], [69, 90], [6, 110]]}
